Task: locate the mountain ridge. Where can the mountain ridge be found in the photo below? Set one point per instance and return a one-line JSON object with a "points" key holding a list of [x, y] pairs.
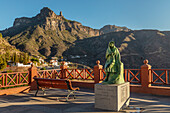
{"points": [[46, 32], [134, 47]]}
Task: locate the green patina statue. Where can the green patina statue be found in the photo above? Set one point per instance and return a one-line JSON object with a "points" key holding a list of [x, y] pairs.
{"points": [[114, 68]]}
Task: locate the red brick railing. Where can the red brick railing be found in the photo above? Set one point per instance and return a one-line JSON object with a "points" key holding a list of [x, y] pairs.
{"points": [[143, 80], [160, 76], [130, 75], [80, 74], [55, 74], [13, 79], [156, 76]]}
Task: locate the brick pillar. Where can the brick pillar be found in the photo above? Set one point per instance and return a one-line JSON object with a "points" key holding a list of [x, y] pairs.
{"points": [[97, 72], [63, 70], [32, 73], [146, 74]]}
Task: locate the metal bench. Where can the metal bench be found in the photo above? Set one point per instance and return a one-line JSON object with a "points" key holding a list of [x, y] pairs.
{"points": [[55, 83]]}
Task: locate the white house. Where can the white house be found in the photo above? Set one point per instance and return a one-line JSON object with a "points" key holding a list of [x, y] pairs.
{"points": [[54, 62], [22, 65], [41, 60]]}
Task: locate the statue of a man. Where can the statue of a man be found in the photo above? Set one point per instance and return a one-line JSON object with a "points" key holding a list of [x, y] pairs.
{"points": [[114, 68]]}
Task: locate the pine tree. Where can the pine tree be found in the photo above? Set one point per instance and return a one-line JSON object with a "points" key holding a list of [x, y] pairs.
{"points": [[7, 56], [21, 58], [25, 59], [16, 60], [13, 58], [35, 60], [3, 63], [28, 58]]}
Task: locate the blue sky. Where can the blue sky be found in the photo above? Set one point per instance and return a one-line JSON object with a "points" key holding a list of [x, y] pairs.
{"points": [[134, 14]]}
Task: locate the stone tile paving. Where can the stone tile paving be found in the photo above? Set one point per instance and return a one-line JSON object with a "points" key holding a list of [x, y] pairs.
{"points": [[54, 102]]}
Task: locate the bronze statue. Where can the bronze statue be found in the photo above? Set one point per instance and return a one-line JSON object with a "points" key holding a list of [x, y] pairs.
{"points": [[114, 68]]}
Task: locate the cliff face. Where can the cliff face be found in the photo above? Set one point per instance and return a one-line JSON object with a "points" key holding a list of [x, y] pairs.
{"points": [[46, 34]]}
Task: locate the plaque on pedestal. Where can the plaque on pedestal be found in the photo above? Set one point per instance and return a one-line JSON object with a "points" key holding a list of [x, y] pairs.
{"points": [[112, 96]]}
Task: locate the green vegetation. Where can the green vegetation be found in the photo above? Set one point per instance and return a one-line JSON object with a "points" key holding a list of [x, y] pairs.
{"points": [[1, 35], [25, 59], [43, 68], [15, 58], [21, 58], [35, 60], [3, 62], [9, 53], [8, 56], [9, 71]]}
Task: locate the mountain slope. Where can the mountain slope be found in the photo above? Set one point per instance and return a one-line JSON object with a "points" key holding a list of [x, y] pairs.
{"points": [[134, 46], [6, 47], [112, 28]]}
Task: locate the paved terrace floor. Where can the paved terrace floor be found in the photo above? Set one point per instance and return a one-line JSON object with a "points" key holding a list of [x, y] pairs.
{"points": [[54, 102]]}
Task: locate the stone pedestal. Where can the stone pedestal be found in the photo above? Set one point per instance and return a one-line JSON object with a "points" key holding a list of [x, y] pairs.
{"points": [[112, 96]]}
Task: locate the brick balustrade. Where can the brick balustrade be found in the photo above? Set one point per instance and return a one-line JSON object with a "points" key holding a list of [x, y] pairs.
{"points": [[143, 80]]}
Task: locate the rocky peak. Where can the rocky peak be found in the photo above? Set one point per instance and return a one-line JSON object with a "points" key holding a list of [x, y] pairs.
{"points": [[46, 12]]}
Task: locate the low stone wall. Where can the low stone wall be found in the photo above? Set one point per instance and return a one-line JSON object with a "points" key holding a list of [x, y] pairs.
{"points": [[155, 90], [82, 84]]}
